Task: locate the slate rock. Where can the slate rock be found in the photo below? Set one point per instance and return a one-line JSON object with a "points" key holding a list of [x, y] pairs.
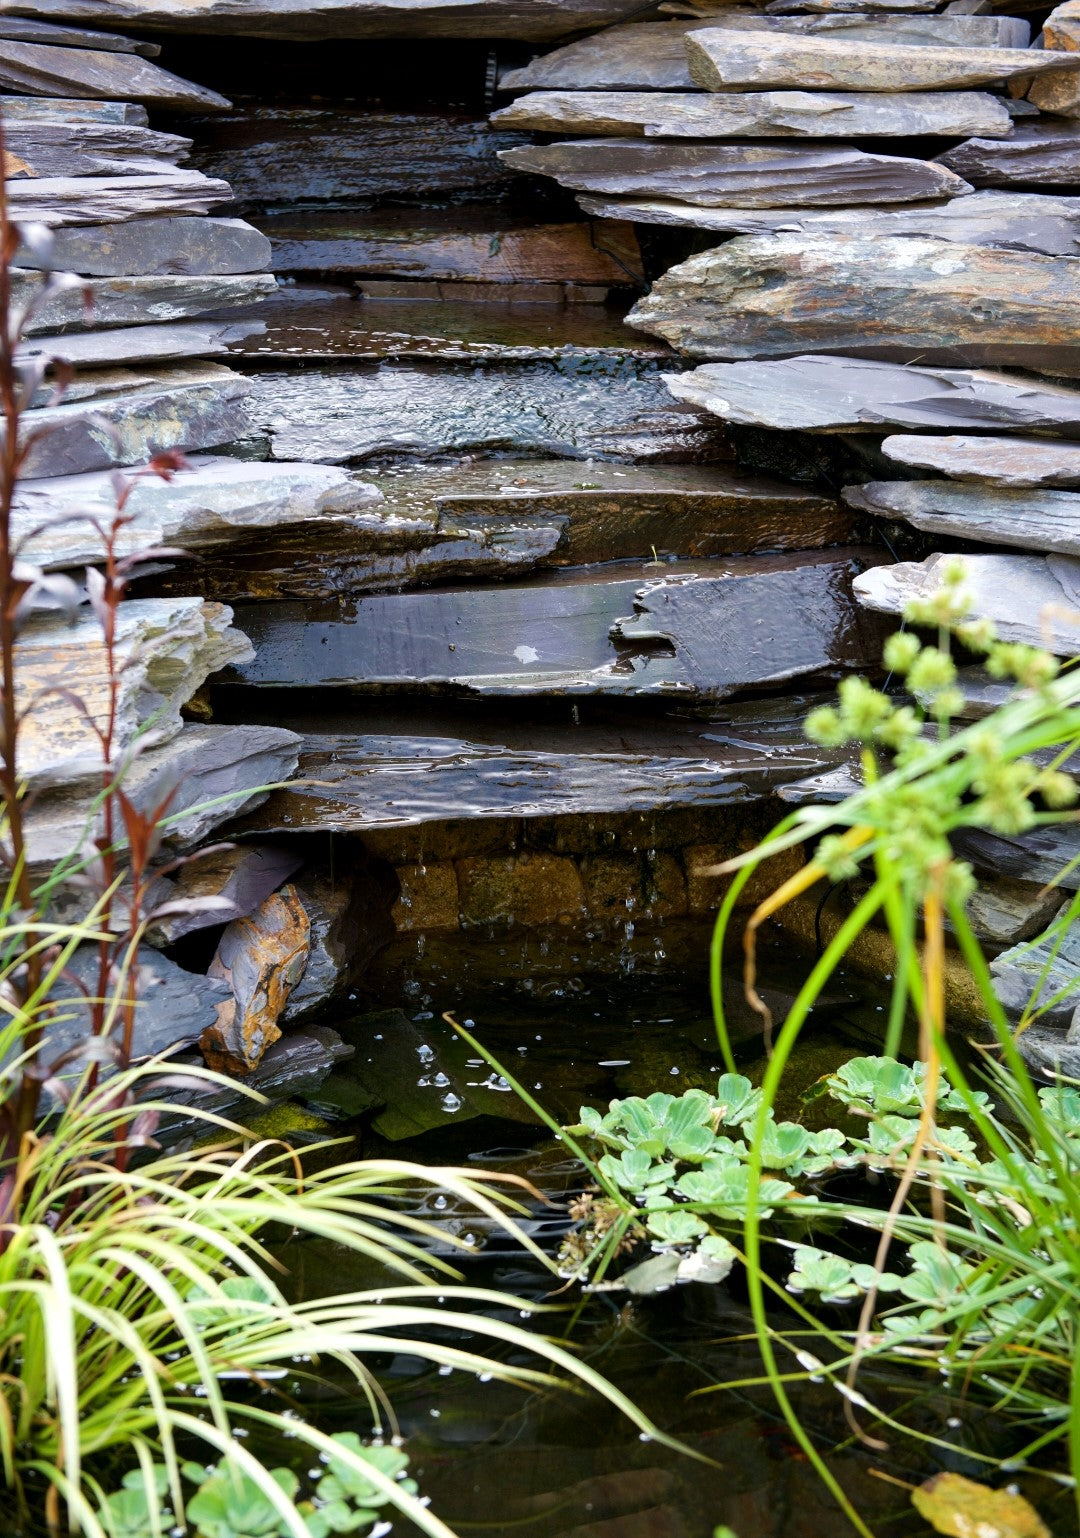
{"points": [[166, 649], [261, 957], [212, 774], [759, 114], [1039, 154], [651, 56], [26, 30], [215, 501], [38, 69], [333, 155], [1020, 221], [91, 149], [1044, 854], [820, 394], [1004, 912], [1046, 976], [571, 410], [1032, 520], [835, 7], [1030, 598], [721, 60], [907, 298], [67, 200], [1058, 92], [92, 350], [188, 247], [999, 461], [573, 633], [737, 175], [346, 927], [240, 876], [62, 109], [525, 20], [131, 301], [186, 406]]}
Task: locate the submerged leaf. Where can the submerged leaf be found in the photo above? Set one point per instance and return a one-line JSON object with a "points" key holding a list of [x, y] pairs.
{"points": [[962, 1508]]}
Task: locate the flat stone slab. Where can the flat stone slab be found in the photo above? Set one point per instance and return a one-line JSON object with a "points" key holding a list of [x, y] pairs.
{"points": [[26, 30], [721, 60], [739, 175], [1046, 975], [62, 109], [651, 56], [526, 20], [1030, 598], [998, 461], [572, 409], [1041, 854], [1040, 521], [911, 299], [308, 321], [136, 344], [759, 114], [64, 200], [188, 406], [190, 247], [1025, 221], [331, 155], [216, 501], [819, 394], [171, 645], [133, 301], [723, 627], [1046, 153], [471, 246], [90, 149], [38, 69]]}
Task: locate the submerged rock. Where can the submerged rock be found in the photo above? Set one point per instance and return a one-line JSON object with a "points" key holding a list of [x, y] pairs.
{"points": [[999, 461], [1033, 520], [912, 299], [739, 175], [813, 393], [191, 247]]}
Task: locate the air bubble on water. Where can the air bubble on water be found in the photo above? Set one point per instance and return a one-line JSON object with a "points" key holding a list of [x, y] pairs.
{"points": [[378, 1038], [425, 1053], [954, 1423], [674, 1072], [444, 1372], [441, 1079], [469, 1024], [483, 1377], [434, 1414], [424, 1014], [440, 1202], [451, 1103], [423, 1082], [643, 1436]]}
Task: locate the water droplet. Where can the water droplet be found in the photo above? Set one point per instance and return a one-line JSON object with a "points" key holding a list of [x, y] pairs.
{"points": [[426, 1054], [451, 1103]]}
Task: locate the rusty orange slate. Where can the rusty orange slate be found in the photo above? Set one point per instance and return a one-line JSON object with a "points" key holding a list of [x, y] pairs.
{"points": [[262, 958]]}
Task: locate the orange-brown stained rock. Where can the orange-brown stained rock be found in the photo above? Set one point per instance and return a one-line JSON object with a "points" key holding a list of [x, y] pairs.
{"points": [[1059, 91], [262, 958]]}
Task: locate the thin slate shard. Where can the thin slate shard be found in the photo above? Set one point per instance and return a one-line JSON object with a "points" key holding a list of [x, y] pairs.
{"points": [[74, 200], [132, 345], [999, 461], [912, 299], [1041, 154], [759, 114], [59, 109], [91, 149], [132, 301], [820, 394], [740, 175], [38, 69], [188, 247], [1040, 520]]}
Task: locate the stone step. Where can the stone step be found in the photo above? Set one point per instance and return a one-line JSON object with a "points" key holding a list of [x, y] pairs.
{"points": [[1024, 221], [1030, 598], [999, 461], [277, 156], [819, 394], [44, 149], [135, 345], [74, 200], [899, 297], [573, 409], [525, 20], [1031, 520], [1042, 154], [760, 114], [194, 247], [136, 415], [464, 245], [722, 60], [25, 29], [701, 631], [39, 69], [651, 56], [130, 301], [310, 321], [739, 175], [64, 109]]}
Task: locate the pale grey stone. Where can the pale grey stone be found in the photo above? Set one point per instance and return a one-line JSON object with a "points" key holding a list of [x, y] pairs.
{"points": [[1046, 976], [133, 301], [66, 200], [133, 344], [1023, 221], [739, 175], [1040, 520], [759, 114], [1030, 598], [38, 69], [188, 406], [1004, 912], [999, 461], [90, 149], [820, 394], [190, 247]]}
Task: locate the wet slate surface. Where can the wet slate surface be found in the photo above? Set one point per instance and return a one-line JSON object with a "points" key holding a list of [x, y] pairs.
{"points": [[568, 410], [144, 247], [1041, 854], [899, 297], [998, 461], [1046, 153], [130, 301], [740, 175], [311, 321], [815, 393], [1039, 520], [1027, 221], [573, 633], [134, 345]]}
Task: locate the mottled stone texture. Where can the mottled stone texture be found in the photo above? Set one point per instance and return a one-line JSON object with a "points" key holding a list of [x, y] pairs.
{"points": [[39, 69], [1032, 520]]}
